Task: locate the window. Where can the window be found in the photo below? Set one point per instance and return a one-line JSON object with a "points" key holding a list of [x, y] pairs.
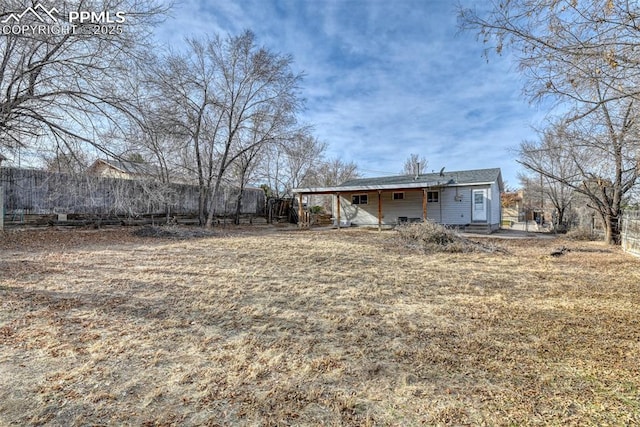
{"points": [[359, 199], [398, 195], [432, 196], [478, 201]]}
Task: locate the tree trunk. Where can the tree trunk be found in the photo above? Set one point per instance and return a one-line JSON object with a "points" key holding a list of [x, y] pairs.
{"points": [[611, 231], [202, 203], [238, 206]]}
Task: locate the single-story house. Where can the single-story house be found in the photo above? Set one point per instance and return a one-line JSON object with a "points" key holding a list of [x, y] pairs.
{"points": [[467, 199]]}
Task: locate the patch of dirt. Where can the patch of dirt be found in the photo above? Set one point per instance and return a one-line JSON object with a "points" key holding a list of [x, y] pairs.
{"points": [[178, 233]]}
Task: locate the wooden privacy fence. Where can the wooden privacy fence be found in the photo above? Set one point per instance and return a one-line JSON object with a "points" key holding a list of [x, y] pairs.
{"points": [[35, 192], [631, 232]]}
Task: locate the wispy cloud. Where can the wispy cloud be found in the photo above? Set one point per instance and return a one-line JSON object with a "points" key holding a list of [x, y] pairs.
{"points": [[384, 79]]}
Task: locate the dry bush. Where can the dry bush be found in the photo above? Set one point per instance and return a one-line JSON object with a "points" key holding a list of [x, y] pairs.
{"points": [[582, 235], [430, 237], [173, 232]]}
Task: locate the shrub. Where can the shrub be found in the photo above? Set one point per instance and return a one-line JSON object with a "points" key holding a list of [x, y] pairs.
{"points": [[316, 209], [581, 234], [430, 237]]}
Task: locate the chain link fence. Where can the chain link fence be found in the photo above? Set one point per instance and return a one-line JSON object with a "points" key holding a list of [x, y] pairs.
{"points": [[630, 232]]}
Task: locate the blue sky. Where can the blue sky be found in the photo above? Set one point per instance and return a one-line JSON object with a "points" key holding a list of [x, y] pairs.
{"points": [[384, 79]]}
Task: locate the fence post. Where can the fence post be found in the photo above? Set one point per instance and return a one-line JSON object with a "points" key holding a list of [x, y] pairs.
{"points": [[2, 206]]}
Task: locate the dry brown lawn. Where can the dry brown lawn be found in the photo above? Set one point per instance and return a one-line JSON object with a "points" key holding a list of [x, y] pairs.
{"points": [[283, 327]]}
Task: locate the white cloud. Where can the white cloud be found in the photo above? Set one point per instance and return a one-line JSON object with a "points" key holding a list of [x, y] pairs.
{"points": [[385, 79]]}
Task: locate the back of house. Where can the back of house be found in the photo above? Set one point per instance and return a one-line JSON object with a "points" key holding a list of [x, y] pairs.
{"points": [[468, 199]]}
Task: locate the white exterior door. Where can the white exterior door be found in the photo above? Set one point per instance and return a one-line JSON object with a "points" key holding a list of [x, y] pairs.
{"points": [[479, 205]]}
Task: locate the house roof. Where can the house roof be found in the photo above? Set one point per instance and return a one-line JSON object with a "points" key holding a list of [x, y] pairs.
{"points": [[125, 166], [444, 179]]}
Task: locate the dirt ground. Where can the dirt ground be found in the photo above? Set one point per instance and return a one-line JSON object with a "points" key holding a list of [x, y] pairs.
{"points": [[273, 326]]}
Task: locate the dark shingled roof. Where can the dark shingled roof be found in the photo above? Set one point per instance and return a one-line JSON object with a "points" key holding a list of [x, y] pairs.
{"points": [[447, 178]]}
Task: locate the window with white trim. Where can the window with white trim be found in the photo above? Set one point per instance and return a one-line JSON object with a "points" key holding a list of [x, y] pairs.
{"points": [[359, 199], [432, 196], [398, 195]]}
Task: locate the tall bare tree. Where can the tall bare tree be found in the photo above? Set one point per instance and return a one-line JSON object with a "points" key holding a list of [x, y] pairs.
{"points": [[585, 56], [257, 98], [64, 85], [228, 96], [181, 86]]}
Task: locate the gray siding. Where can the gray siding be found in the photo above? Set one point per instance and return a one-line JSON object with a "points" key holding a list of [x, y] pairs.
{"points": [[410, 207], [456, 205], [453, 206], [495, 205]]}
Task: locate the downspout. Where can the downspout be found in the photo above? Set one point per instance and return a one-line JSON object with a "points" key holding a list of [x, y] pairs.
{"points": [[440, 202]]}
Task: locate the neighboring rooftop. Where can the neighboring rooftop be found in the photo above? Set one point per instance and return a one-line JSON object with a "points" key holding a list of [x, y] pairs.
{"points": [[124, 166]]}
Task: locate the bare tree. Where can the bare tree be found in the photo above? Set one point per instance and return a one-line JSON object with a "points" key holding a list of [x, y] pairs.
{"points": [[562, 46], [64, 85], [551, 155], [182, 86], [301, 154], [244, 167], [256, 97], [330, 173], [61, 160], [599, 159], [227, 97], [414, 165], [291, 163], [584, 56], [272, 171], [335, 172]]}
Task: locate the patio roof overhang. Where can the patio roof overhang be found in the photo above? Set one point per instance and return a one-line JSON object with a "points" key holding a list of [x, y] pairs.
{"points": [[407, 186]]}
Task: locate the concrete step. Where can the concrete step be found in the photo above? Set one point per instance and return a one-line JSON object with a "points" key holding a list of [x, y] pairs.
{"points": [[477, 228]]}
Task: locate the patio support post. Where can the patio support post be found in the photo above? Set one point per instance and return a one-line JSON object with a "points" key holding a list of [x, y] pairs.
{"points": [[379, 210], [338, 202], [300, 212], [424, 204]]}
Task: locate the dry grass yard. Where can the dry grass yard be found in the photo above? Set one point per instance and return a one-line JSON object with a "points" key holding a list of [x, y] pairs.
{"points": [[286, 327]]}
